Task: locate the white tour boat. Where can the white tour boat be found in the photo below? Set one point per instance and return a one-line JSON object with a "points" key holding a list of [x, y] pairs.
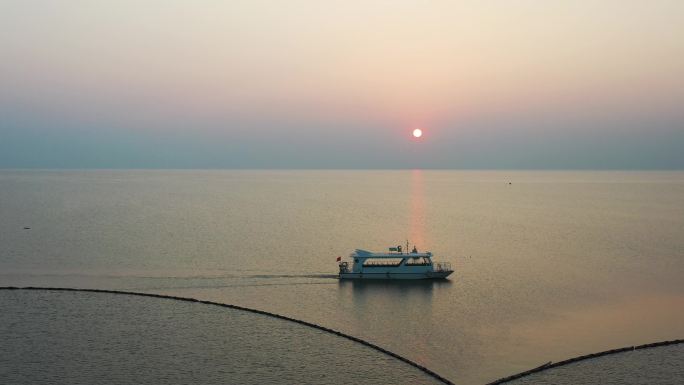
{"points": [[395, 264]]}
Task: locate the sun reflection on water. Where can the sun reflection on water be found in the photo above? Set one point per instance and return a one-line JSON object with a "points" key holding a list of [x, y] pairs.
{"points": [[417, 216]]}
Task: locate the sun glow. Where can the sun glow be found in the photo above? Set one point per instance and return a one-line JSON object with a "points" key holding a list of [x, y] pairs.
{"points": [[417, 133]]}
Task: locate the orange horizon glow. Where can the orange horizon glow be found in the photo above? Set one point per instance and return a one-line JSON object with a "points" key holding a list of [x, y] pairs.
{"points": [[531, 85]]}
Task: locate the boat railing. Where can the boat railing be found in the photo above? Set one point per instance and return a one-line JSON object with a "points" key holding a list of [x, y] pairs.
{"points": [[441, 266]]}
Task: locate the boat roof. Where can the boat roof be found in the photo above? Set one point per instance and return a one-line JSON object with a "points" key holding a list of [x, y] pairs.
{"points": [[360, 253]]}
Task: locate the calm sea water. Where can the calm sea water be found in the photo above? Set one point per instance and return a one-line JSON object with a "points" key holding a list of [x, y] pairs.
{"points": [[655, 366], [97, 338], [550, 266]]}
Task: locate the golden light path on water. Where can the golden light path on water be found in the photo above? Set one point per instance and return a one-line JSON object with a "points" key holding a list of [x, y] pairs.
{"points": [[417, 217]]}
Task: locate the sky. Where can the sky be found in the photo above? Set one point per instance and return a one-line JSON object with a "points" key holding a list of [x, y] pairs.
{"points": [[515, 84]]}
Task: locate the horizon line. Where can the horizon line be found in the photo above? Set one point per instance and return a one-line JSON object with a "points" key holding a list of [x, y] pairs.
{"points": [[324, 169]]}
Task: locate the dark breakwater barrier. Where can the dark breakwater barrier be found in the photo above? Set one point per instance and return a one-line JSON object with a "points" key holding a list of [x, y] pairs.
{"points": [[255, 311], [550, 365]]}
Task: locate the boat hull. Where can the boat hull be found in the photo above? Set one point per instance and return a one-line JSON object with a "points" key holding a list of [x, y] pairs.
{"points": [[401, 275]]}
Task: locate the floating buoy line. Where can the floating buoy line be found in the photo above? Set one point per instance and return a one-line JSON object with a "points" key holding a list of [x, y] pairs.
{"points": [[236, 307], [550, 365]]}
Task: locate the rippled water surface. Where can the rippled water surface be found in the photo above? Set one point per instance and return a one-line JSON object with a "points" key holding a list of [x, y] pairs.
{"points": [[98, 338], [550, 266], [655, 366]]}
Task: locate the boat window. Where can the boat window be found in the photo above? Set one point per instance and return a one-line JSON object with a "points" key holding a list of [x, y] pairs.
{"points": [[382, 262], [420, 261]]}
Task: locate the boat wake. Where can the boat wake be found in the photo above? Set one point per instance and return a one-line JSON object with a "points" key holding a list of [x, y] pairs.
{"points": [[268, 276], [231, 285]]}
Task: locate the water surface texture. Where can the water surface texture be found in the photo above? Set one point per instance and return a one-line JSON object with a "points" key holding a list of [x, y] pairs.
{"points": [[654, 366], [97, 338], [549, 265]]}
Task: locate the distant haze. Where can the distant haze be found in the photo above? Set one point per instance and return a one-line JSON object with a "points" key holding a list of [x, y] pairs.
{"points": [[322, 84]]}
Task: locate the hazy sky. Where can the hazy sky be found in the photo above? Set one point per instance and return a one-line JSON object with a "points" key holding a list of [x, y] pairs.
{"points": [[325, 84]]}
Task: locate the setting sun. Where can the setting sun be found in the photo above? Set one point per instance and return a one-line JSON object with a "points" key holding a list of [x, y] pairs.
{"points": [[417, 133]]}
